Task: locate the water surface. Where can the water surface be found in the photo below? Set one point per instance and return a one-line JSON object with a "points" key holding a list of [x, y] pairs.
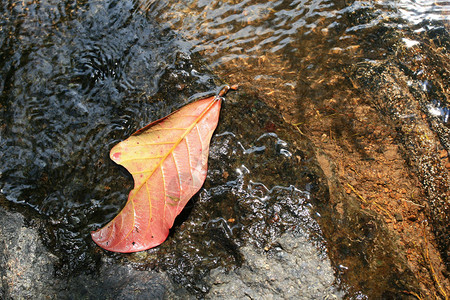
{"points": [[77, 77]]}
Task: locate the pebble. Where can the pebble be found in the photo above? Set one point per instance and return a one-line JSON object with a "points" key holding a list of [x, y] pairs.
{"points": [[412, 218], [443, 153], [398, 217]]}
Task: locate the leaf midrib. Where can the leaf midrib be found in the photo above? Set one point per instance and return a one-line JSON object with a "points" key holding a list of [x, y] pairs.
{"points": [[131, 199]]}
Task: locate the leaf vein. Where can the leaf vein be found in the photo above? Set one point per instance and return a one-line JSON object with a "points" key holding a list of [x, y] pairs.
{"points": [[199, 135], [164, 129], [189, 159], [179, 178], [141, 158], [160, 165], [149, 208], [151, 144]]}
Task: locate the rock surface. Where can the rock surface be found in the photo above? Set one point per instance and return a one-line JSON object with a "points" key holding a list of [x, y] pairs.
{"points": [[420, 132], [99, 70], [27, 271], [292, 269], [26, 267]]}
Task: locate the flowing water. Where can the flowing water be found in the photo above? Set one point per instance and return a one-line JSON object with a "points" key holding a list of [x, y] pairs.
{"points": [[77, 77]]}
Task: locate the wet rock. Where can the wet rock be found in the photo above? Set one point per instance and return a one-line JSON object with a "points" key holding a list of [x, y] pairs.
{"points": [[291, 269], [116, 281], [104, 72], [26, 266], [398, 217], [363, 251], [401, 99], [261, 183], [27, 271], [115, 71]]}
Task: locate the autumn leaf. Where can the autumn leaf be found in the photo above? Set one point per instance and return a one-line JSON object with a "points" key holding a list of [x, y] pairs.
{"points": [[168, 161]]}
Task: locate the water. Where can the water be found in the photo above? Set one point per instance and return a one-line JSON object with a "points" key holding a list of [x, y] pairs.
{"points": [[77, 77], [418, 11], [71, 89]]}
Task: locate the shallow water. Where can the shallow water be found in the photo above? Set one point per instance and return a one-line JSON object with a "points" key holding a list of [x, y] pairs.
{"points": [[76, 78], [72, 86]]}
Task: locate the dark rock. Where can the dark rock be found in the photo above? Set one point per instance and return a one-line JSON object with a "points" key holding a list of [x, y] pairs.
{"points": [[292, 269], [26, 266], [27, 271], [398, 217]]}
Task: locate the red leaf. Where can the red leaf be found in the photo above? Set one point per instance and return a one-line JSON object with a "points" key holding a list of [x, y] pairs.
{"points": [[168, 160]]}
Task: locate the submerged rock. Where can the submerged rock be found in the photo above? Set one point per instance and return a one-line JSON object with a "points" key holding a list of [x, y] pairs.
{"points": [[401, 98], [291, 269], [271, 219], [27, 268], [28, 271]]}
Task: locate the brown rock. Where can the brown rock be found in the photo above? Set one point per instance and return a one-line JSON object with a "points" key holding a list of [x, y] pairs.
{"points": [[412, 218], [398, 217]]}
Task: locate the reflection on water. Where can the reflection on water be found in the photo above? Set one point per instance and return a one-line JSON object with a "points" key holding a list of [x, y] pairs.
{"points": [[229, 30], [420, 10], [75, 78]]}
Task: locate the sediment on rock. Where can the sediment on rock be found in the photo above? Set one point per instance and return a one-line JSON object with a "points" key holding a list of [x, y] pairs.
{"points": [[359, 242], [398, 97]]}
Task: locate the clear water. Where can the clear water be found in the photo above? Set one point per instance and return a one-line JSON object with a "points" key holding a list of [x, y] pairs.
{"points": [[77, 77]]}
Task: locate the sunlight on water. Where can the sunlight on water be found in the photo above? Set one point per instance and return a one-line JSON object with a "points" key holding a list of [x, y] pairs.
{"points": [[272, 48], [227, 30], [78, 77], [416, 11], [283, 49], [233, 29]]}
